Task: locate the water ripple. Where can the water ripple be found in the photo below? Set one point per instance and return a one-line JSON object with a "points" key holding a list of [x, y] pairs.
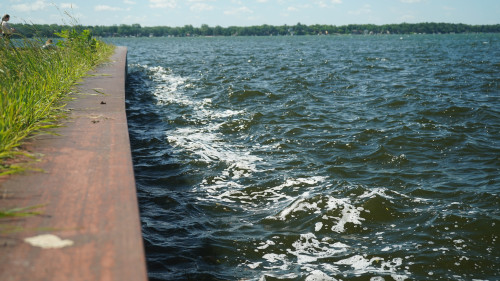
{"points": [[317, 158]]}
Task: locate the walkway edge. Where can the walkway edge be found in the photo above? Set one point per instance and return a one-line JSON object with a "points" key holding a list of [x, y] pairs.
{"points": [[87, 190]]}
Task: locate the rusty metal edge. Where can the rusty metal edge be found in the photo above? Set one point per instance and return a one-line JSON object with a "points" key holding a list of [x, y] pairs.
{"points": [[87, 192]]}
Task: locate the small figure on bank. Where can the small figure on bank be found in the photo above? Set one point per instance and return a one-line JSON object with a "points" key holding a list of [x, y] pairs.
{"points": [[49, 45], [7, 31]]}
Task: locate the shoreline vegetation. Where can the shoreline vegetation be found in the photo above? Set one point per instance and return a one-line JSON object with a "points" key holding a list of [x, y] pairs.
{"points": [[34, 82], [136, 30]]}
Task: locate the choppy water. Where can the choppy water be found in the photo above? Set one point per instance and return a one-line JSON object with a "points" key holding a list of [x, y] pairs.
{"points": [[318, 158]]}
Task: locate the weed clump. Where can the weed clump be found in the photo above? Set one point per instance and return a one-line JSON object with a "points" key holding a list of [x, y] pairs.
{"points": [[34, 82]]}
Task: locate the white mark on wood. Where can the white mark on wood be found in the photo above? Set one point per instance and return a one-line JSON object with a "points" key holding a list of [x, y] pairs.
{"points": [[48, 241]]}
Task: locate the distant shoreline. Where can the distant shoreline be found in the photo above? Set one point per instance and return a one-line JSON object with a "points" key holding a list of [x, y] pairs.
{"points": [[136, 30]]}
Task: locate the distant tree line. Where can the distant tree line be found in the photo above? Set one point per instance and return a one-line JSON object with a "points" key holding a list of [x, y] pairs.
{"points": [[44, 30]]}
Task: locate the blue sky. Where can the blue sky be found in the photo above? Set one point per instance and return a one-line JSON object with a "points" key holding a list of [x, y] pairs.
{"points": [[251, 12]]}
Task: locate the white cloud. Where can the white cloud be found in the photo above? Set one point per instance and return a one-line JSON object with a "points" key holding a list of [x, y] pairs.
{"points": [[128, 2], [366, 9], [69, 6], [163, 3], [35, 6], [100, 8], [200, 7], [298, 8], [262, 1], [237, 11], [322, 4], [326, 4]]}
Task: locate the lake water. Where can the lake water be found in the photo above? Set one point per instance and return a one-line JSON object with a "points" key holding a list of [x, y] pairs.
{"points": [[317, 157]]}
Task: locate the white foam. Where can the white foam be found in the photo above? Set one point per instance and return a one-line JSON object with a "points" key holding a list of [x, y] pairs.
{"points": [[309, 249], [318, 275], [210, 147], [299, 204], [273, 198], [204, 141], [357, 262], [361, 265], [375, 191], [266, 245], [167, 85], [277, 258], [254, 265], [318, 226], [350, 214]]}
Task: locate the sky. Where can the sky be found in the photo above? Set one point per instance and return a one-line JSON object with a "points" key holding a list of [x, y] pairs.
{"points": [[250, 12]]}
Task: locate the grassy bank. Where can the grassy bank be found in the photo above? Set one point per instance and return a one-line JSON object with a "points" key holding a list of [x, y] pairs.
{"points": [[34, 83]]}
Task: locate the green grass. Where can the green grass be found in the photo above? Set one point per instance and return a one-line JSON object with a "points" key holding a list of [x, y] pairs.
{"points": [[20, 212], [16, 213], [34, 83]]}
